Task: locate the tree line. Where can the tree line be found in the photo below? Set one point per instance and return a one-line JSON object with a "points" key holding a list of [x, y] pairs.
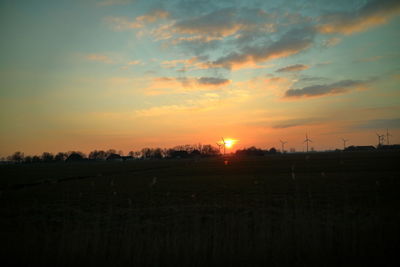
{"points": [[182, 151]]}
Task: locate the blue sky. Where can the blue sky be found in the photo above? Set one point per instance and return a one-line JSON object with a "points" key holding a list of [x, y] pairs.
{"points": [[84, 75]]}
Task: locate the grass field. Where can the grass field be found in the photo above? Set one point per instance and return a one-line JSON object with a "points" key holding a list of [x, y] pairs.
{"points": [[321, 209]]}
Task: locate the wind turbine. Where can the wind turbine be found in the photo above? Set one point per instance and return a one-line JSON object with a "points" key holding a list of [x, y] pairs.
{"points": [[387, 136], [307, 141], [381, 137], [344, 143], [224, 144], [283, 145]]}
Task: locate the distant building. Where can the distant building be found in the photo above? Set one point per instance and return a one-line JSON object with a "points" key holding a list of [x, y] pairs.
{"points": [[389, 147], [360, 148]]}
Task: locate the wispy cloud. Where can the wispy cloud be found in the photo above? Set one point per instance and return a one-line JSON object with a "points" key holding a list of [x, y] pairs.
{"points": [[223, 22], [125, 23], [368, 59], [212, 81], [379, 124], [331, 42], [373, 13], [168, 85], [134, 62], [164, 110], [298, 122], [311, 78], [291, 68], [193, 63], [131, 63], [326, 89], [99, 58]]}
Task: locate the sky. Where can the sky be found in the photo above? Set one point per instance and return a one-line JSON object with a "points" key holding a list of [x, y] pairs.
{"points": [[128, 74]]}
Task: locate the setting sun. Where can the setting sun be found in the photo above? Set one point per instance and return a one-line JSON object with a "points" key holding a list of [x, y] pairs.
{"points": [[229, 143]]}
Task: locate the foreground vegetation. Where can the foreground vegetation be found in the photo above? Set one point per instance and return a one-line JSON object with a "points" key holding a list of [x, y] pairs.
{"points": [[321, 209]]}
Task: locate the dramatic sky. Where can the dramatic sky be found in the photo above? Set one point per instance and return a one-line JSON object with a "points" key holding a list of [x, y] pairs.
{"points": [[85, 75]]}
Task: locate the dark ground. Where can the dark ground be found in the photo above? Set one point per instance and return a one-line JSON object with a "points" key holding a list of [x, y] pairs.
{"points": [[321, 209]]}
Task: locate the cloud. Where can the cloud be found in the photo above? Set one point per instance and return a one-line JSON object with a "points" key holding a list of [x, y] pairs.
{"points": [[297, 67], [164, 110], [134, 62], [124, 23], [193, 63], [331, 42], [212, 81], [153, 16], [223, 22], [327, 89], [292, 42], [311, 78], [379, 124], [165, 85], [372, 14], [131, 63], [368, 59], [99, 58], [298, 122], [209, 30]]}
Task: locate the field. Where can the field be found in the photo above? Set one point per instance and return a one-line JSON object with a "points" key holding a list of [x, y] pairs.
{"points": [[320, 209]]}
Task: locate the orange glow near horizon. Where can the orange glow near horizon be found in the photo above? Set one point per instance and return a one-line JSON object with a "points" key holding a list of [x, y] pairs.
{"points": [[230, 142]]}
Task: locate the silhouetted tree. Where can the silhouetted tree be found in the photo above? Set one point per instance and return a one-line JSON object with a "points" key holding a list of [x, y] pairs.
{"points": [[28, 159], [60, 156], [114, 156], [209, 151], [178, 153], [47, 157], [36, 159], [251, 151], [146, 153], [135, 154], [272, 150], [75, 156], [195, 153], [98, 155], [111, 151], [156, 153], [17, 157]]}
